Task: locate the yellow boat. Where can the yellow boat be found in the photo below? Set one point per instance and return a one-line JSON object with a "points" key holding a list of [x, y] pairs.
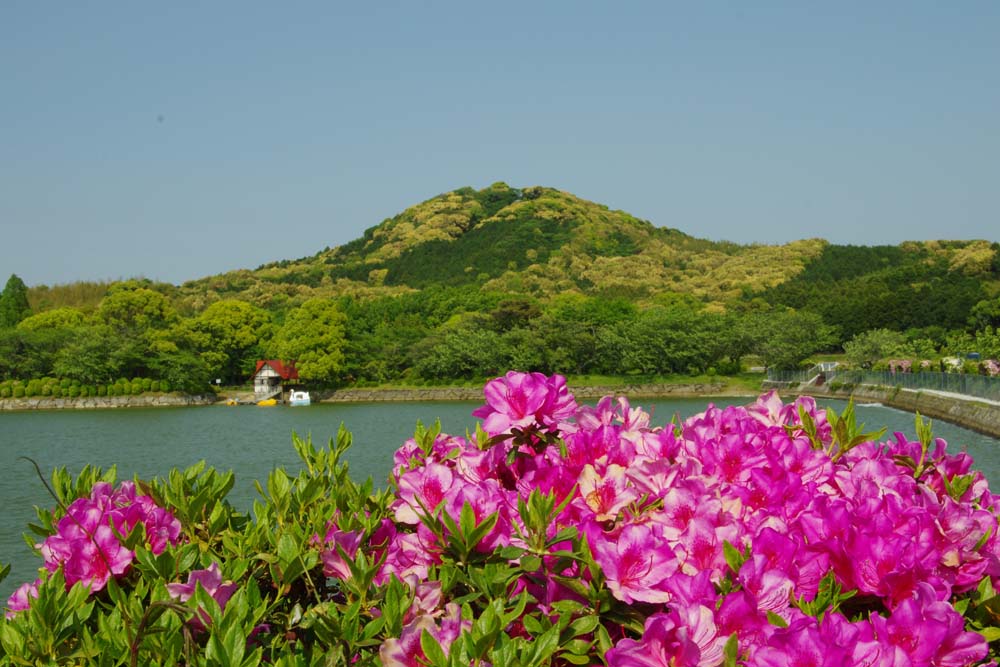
{"points": [[267, 402]]}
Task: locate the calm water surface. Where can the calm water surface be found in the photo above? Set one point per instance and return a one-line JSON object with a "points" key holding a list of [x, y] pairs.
{"points": [[251, 441]]}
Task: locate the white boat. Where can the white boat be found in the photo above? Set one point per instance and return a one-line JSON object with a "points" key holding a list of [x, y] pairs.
{"points": [[299, 398]]}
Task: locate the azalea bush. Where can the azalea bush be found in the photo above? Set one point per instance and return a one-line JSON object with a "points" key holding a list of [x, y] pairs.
{"points": [[551, 534]]}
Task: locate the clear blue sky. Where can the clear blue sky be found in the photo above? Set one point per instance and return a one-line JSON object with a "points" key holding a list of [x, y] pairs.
{"points": [[175, 140]]}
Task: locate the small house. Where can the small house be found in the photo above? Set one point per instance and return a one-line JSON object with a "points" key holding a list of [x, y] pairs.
{"points": [[271, 375]]}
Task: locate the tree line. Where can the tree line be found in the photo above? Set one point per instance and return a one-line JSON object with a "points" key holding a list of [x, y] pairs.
{"points": [[435, 335]]}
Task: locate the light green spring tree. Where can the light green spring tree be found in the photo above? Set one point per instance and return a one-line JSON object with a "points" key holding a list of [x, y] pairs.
{"points": [[313, 336], [869, 347]]}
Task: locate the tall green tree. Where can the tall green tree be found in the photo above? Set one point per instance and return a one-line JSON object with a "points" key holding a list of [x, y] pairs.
{"points": [[96, 355], [984, 314], [57, 318], [228, 335], [133, 309], [784, 339], [14, 305], [313, 336], [31, 354], [870, 347]]}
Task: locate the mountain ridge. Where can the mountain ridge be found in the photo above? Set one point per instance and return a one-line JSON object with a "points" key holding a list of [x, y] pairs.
{"points": [[536, 240]]}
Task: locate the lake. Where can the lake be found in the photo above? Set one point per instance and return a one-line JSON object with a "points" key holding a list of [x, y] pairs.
{"points": [[251, 441]]}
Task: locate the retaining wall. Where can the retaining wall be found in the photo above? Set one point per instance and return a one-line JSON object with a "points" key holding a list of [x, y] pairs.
{"points": [[104, 402], [476, 394], [695, 389], [968, 412]]}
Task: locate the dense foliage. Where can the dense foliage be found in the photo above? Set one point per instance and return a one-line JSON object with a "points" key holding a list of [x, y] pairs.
{"points": [[472, 282], [14, 305], [898, 287], [554, 534]]}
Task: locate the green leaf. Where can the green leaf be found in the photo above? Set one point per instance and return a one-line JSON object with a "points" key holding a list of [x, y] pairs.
{"points": [[990, 634], [730, 652], [603, 639], [584, 625], [287, 550], [776, 620], [985, 589], [517, 611], [533, 624], [510, 553], [734, 558], [432, 649], [546, 645], [531, 563]]}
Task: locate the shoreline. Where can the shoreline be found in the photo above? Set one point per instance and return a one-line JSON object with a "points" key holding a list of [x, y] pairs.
{"points": [[681, 390], [173, 400], [374, 395]]}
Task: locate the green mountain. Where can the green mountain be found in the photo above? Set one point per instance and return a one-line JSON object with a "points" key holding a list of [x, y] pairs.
{"points": [[536, 241]]}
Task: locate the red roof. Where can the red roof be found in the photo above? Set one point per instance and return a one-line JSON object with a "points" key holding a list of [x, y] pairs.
{"points": [[286, 370]]}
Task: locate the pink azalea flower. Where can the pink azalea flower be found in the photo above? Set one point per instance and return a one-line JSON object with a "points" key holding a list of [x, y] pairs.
{"points": [[605, 494], [86, 542], [429, 486], [634, 565], [486, 498], [682, 503], [211, 580], [406, 651], [801, 644], [929, 632], [665, 643], [770, 587], [654, 477], [162, 529], [657, 506], [519, 400], [700, 547], [407, 556], [769, 410], [334, 564], [21, 598], [739, 613], [93, 560]]}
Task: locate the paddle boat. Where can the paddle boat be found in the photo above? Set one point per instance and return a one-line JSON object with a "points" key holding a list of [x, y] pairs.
{"points": [[298, 398]]}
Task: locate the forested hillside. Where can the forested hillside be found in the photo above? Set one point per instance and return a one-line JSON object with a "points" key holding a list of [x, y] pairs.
{"points": [[473, 282]]}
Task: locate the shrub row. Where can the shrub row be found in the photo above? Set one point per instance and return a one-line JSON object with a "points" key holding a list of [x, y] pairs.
{"points": [[64, 387]]}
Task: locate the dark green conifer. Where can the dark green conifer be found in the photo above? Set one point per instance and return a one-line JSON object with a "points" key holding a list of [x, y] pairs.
{"points": [[13, 302]]}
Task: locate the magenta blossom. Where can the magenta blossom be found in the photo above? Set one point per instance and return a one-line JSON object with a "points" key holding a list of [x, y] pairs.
{"points": [[635, 565], [519, 400], [86, 543], [210, 579], [421, 491], [21, 598], [444, 627], [335, 542], [665, 643]]}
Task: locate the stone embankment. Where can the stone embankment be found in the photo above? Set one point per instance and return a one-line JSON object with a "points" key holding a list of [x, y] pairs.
{"points": [[969, 412], [691, 390], [476, 394], [102, 402]]}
